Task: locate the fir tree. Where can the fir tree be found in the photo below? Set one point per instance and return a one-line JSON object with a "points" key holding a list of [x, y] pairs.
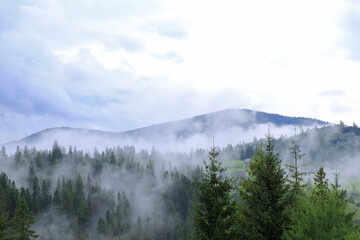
{"points": [[336, 187], [22, 221], [265, 197], [215, 211], [5, 228], [295, 175], [323, 214], [321, 183]]}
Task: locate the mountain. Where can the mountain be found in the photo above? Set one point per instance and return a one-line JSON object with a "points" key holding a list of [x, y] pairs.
{"points": [[228, 126], [335, 145], [224, 120]]}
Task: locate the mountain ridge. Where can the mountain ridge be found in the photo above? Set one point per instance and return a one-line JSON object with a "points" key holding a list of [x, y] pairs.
{"points": [[232, 121]]}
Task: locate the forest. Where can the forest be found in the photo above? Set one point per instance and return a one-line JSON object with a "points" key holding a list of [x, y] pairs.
{"points": [[122, 193]]}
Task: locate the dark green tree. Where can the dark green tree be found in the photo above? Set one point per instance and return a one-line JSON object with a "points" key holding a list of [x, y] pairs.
{"points": [[22, 221], [215, 210], [5, 233], [31, 174], [112, 158], [336, 187], [321, 183], [265, 197], [35, 195], [56, 154], [18, 157], [323, 214], [102, 228], [45, 196]]}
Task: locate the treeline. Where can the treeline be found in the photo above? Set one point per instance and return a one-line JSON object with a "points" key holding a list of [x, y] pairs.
{"points": [[120, 193], [271, 204], [16, 219], [115, 194], [323, 146]]}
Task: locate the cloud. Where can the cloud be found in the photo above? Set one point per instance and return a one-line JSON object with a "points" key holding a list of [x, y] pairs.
{"points": [[341, 108], [332, 93], [172, 28], [95, 64], [111, 9], [171, 55], [349, 28]]}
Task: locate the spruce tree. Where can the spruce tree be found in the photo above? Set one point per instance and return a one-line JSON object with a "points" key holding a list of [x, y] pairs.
{"points": [[296, 177], [5, 228], [22, 221], [215, 210], [321, 183], [323, 214], [265, 197]]}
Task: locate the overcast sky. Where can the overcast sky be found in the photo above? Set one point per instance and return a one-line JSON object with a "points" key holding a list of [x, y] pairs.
{"points": [[121, 64]]}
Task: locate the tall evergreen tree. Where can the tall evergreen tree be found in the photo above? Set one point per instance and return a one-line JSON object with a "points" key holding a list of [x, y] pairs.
{"points": [[3, 153], [215, 210], [323, 214], [265, 197], [18, 157], [56, 153], [321, 183], [35, 195], [5, 233], [296, 177], [22, 221]]}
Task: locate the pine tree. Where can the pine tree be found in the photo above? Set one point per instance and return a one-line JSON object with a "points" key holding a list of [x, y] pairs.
{"points": [[295, 174], [265, 197], [45, 196], [215, 210], [321, 183], [22, 221], [101, 227], [31, 174], [18, 157], [5, 228], [323, 214], [3, 153], [56, 153], [336, 187], [35, 195]]}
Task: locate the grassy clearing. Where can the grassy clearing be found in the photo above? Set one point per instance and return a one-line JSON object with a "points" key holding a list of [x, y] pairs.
{"points": [[353, 208], [234, 167], [352, 187]]}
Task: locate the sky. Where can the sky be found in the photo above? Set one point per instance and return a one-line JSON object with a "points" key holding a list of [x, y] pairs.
{"points": [[117, 65]]}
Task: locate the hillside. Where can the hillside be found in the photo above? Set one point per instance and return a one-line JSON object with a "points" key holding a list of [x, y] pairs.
{"points": [[228, 126]]}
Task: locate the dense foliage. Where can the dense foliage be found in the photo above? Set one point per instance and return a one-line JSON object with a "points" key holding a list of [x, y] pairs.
{"points": [[265, 196], [214, 212], [123, 194], [272, 207], [115, 194]]}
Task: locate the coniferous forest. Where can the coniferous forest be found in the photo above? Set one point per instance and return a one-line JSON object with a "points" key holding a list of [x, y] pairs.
{"points": [[122, 193]]}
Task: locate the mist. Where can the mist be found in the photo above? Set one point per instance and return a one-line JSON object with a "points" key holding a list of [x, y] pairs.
{"points": [[143, 178]]}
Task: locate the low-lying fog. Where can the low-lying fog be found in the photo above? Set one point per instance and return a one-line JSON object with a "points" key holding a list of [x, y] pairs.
{"points": [[87, 141]]}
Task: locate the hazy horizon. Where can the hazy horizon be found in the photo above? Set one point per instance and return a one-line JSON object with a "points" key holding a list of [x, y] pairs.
{"points": [[120, 65]]}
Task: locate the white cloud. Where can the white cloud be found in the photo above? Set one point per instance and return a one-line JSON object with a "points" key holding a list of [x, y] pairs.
{"points": [[116, 65]]}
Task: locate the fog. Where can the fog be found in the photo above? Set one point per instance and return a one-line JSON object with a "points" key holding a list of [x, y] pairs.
{"points": [[231, 126], [139, 177], [148, 166], [335, 147], [87, 141]]}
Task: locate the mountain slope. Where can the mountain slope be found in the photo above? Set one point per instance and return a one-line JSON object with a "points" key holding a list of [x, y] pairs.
{"points": [[228, 126], [224, 120]]}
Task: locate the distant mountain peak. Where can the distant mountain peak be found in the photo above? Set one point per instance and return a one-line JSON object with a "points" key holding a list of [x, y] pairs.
{"points": [[226, 125]]}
